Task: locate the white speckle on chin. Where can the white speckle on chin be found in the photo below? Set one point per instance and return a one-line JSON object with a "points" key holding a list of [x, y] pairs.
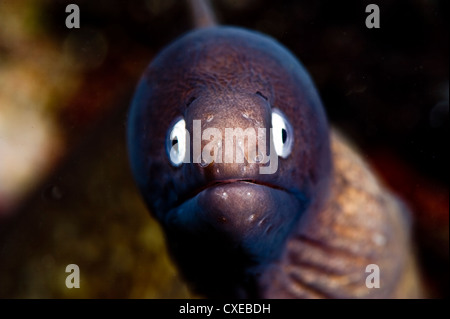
{"points": [[224, 195], [249, 194], [379, 239]]}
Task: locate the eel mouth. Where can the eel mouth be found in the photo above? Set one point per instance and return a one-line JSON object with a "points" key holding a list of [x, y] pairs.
{"points": [[198, 190], [244, 215]]}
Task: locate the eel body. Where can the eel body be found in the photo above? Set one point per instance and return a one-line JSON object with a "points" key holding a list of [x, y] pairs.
{"points": [[296, 213]]}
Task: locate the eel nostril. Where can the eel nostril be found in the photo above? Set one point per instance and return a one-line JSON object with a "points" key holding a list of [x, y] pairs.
{"points": [[203, 163], [189, 102], [262, 95], [209, 118]]}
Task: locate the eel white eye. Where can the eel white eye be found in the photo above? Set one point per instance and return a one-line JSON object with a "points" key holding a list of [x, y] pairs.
{"points": [[176, 142], [283, 135]]}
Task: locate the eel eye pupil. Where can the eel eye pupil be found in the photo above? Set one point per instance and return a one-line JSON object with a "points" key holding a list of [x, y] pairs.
{"points": [[283, 135], [175, 143]]}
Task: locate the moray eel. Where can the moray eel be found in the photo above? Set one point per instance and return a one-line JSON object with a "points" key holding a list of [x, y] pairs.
{"points": [[304, 218]]}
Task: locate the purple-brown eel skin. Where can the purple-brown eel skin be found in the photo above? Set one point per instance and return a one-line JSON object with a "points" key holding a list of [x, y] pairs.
{"points": [[310, 229]]}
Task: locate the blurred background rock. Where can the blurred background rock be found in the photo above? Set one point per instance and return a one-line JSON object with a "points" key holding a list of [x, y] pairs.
{"points": [[66, 192]]}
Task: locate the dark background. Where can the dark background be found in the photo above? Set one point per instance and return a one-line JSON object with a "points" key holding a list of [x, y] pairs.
{"points": [[387, 89]]}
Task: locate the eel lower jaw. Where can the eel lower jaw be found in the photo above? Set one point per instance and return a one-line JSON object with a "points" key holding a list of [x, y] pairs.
{"points": [[236, 214]]}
